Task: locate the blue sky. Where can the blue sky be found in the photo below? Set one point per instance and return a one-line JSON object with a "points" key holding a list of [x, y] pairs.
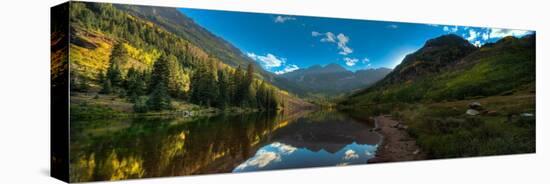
{"points": [[283, 43]]}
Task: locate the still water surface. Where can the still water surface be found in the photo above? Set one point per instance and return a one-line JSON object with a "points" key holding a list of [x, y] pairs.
{"points": [[116, 149]]}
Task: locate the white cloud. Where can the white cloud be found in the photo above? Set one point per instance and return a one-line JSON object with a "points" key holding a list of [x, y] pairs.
{"points": [[288, 68], [283, 19], [345, 50], [342, 44], [267, 155], [366, 60], [450, 29], [392, 26], [485, 36], [350, 154], [261, 159], [329, 37], [283, 148], [477, 43], [454, 29], [499, 33], [341, 41], [267, 61], [315, 34], [350, 61], [473, 35], [251, 55]]}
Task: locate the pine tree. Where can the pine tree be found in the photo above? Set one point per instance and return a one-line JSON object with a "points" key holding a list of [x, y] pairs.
{"points": [[178, 80], [204, 89], [114, 75], [249, 75], [238, 77], [211, 89], [197, 85], [159, 74], [246, 88], [113, 72], [159, 98], [261, 96], [107, 87], [101, 77], [134, 84], [223, 87]]}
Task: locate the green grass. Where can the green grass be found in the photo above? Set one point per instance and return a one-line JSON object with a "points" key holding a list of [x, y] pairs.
{"points": [[501, 71], [91, 106], [85, 111], [443, 130]]}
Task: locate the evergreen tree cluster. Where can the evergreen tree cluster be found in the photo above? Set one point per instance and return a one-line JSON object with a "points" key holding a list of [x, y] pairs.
{"points": [[220, 88], [183, 72], [209, 85]]}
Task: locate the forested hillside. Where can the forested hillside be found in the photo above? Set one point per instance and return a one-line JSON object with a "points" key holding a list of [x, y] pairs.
{"points": [[114, 52]]}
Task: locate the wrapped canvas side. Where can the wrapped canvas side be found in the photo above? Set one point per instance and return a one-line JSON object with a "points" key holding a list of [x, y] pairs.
{"points": [[59, 92]]}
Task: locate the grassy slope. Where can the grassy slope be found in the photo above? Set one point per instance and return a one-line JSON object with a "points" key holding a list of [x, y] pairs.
{"points": [[445, 131], [490, 71], [501, 77]]}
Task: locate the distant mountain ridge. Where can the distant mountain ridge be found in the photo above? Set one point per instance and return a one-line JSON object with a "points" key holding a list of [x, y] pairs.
{"points": [[333, 78]]}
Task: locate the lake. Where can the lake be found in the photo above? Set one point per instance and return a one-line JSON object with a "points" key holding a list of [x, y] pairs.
{"points": [[124, 148]]}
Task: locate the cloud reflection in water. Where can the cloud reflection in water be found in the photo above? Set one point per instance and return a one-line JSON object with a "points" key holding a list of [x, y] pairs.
{"points": [[278, 155]]}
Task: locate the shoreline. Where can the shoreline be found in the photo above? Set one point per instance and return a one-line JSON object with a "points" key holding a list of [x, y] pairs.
{"points": [[397, 145]]}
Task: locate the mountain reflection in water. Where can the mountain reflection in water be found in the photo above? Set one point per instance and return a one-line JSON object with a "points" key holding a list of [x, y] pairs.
{"points": [[319, 139], [114, 149]]}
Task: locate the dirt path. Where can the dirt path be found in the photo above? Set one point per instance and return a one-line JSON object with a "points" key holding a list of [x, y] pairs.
{"points": [[397, 145]]}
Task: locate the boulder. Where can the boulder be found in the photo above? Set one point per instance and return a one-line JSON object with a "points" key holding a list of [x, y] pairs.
{"points": [[396, 125], [475, 105], [472, 112]]}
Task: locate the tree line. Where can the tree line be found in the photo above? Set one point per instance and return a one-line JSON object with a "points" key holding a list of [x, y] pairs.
{"points": [[209, 86]]}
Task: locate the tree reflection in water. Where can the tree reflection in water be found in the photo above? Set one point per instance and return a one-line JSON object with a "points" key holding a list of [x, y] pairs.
{"points": [[153, 147]]}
